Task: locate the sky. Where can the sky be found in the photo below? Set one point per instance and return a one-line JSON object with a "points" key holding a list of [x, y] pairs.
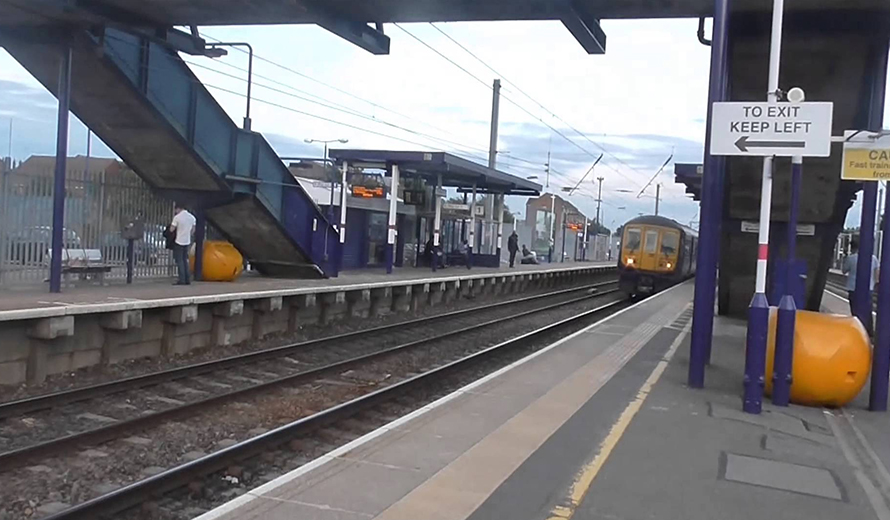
{"points": [[638, 105]]}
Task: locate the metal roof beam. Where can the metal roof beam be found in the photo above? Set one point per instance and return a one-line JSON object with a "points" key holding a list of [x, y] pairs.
{"points": [[363, 35], [585, 28]]}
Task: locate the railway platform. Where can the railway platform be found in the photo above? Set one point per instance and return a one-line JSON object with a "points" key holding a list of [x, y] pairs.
{"points": [[597, 426], [82, 327]]}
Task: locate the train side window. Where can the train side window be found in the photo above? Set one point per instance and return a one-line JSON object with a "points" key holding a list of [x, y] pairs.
{"points": [[651, 241], [669, 243], [632, 239]]}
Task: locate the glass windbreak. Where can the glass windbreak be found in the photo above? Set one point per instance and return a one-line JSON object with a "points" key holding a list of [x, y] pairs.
{"points": [[669, 243], [651, 241], [632, 239]]}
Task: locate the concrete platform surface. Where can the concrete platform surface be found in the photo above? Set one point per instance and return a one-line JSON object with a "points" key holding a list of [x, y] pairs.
{"points": [[156, 293], [600, 426], [445, 460]]}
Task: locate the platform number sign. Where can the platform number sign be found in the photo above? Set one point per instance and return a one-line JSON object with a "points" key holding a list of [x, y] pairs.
{"points": [[764, 129]]}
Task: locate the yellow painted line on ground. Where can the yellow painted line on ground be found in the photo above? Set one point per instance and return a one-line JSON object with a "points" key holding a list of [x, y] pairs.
{"points": [[588, 473]]}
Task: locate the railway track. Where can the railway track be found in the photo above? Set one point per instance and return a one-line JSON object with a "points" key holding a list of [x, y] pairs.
{"points": [[327, 364]]}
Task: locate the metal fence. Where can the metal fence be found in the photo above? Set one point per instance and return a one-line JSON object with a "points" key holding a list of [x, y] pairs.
{"points": [[97, 205]]}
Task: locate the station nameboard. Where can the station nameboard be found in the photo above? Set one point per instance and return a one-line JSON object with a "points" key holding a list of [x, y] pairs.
{"points": [[764, 129], [866, 156]]}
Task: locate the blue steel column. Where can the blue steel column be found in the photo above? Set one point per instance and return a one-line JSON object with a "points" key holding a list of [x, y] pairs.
{"points": [[784, 352], [718, 202], [862, 302], [55, 268], [880, 371], [706, 262], [880, 365], [200, 235]]}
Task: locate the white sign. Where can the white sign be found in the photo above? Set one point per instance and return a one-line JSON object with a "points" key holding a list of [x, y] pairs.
{"points": [[455, 206], [763, 129], [804, 230]]}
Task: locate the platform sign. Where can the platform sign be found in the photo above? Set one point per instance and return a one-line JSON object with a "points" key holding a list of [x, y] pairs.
{"points": [[803, 230], [764, 129], [866, 156]]}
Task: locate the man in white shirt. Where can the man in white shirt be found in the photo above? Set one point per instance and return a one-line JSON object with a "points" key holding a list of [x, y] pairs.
{"points": [[184, 226], [851, 265]]}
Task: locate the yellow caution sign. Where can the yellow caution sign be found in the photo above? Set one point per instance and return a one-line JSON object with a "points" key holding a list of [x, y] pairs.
{"points": [[866, 156]]}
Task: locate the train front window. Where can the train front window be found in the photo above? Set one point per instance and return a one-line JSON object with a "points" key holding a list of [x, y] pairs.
{"points": [[651, 241], [632, 239], [669, 244]]}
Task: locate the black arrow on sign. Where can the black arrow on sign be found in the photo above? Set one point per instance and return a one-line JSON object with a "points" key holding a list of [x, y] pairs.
{"points": [[743, 144]]}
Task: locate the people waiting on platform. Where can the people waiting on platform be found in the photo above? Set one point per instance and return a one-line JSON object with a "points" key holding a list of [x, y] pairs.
{"points": [[464, 250], [183, 227], [513, 247], [528, 256]]}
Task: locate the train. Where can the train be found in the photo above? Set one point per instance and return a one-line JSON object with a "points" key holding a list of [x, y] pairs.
{"points": [[656, 253]]}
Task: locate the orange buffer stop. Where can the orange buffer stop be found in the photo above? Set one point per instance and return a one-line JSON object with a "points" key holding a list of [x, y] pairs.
{"points": [[832, 358], [222, 262]]}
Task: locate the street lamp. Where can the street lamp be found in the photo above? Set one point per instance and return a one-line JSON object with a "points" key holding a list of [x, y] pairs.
{"points": [[326, 142], [214, 51]]}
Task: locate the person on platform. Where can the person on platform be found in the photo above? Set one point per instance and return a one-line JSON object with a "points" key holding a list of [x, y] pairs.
{"points": [[183, 226], [528, 256], [513, 247], [464, 250], [851, 263]]}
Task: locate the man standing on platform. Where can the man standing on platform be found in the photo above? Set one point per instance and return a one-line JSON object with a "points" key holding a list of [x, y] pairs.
{"points": [[183, 226], [513, 246], [850, 266]]}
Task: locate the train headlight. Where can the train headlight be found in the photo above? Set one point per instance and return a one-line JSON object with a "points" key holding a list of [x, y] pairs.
{"points": [[669, 265], [630, 261]]}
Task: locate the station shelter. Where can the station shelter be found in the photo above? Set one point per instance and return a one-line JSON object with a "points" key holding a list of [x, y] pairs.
{"points": [[420, 225], [367, 221]]}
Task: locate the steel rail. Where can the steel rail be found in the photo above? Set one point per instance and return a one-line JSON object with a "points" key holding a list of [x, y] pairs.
{"points": [[18, 457], [133, 494], [41, 402]]}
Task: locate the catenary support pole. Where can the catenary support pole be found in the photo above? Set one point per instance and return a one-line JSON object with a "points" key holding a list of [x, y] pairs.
{"points": [[709, 245], [758, 312], [57, 246]]}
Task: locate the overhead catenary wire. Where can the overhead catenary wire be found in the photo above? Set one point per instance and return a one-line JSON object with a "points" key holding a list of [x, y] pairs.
{"points": [[352, 95], [532, 99]]}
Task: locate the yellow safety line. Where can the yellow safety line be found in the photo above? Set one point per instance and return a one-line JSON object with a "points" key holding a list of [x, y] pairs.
{"points": [[588, 473]]}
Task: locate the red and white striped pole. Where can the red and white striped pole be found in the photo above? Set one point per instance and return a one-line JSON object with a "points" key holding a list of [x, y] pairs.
{"points": [[758, 312]]}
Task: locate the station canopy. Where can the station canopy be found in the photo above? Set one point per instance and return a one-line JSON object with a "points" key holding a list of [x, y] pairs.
{"points": [[456, 172]]}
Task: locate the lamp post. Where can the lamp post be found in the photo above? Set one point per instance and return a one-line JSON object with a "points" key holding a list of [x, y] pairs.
{"points": [[326, 142], [214, 51]]}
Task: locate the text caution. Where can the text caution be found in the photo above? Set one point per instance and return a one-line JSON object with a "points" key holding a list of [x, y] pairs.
{"points": [[866, 156], [763, 129]]}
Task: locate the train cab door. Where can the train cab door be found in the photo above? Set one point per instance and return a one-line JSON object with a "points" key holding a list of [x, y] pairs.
{"points": [[649, 256]]}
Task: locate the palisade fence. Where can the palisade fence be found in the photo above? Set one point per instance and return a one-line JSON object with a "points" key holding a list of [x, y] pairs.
{"points": [[97, 205]]}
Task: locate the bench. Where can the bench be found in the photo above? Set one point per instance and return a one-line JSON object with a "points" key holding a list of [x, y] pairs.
{"points": [[84, 263]]}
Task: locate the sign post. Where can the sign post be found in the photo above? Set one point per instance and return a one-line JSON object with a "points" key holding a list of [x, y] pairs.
{"points": [[867, 158], [768, 129]]}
